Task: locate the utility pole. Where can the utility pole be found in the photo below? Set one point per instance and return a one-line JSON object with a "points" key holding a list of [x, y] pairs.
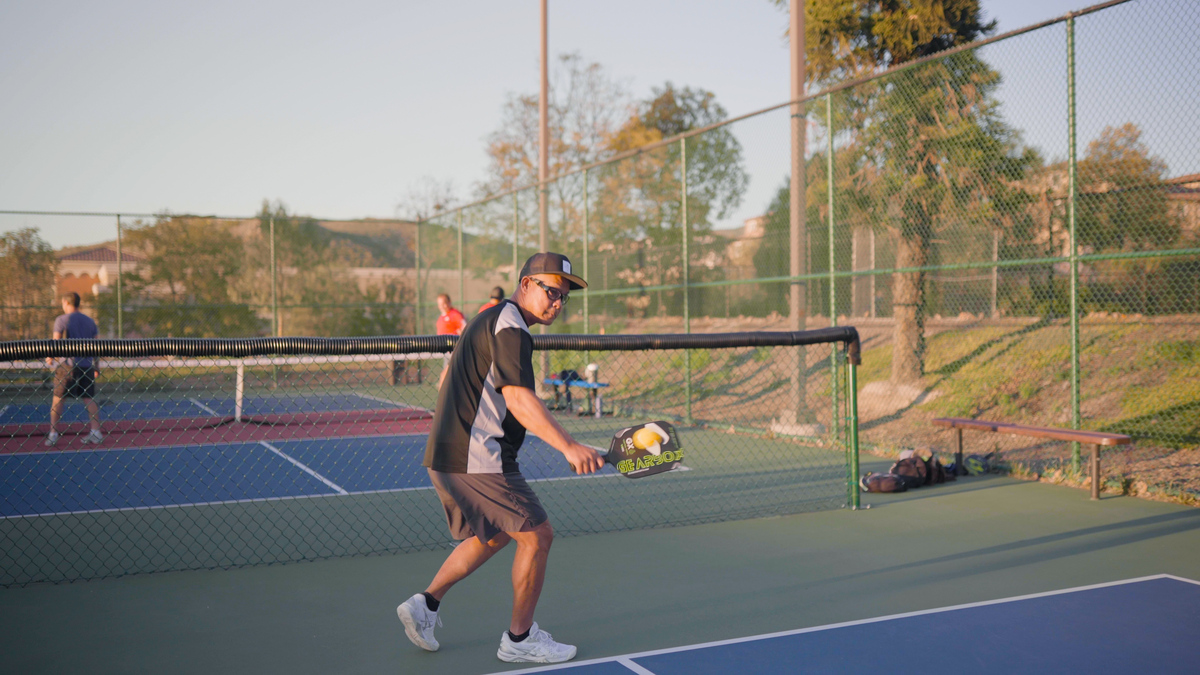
{"points": [[798, 255], [543, 166], [543, 137]]}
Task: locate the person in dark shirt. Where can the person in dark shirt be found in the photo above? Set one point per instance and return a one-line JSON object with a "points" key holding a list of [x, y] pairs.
{"points": [[484, 408], [74, 377]]}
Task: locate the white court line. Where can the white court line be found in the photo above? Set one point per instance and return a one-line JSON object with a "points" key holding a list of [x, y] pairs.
{"points": [[203, 407], [341, 492], [634, 667], [891, 617], [303, 467], [380, 399]]}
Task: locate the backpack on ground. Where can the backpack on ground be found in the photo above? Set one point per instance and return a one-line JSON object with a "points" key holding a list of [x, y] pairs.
{"points": [[882, 482], [912, 470]]}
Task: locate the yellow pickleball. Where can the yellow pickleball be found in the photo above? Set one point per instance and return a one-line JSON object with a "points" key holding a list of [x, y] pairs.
{"points": [[644, 438]]}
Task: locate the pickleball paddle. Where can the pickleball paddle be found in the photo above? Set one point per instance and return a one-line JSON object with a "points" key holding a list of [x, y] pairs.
{"points": [[645, 449]]}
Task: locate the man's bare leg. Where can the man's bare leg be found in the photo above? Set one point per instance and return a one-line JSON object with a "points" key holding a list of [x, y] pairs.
{"points": [[56, 408], [528, 573], [463, 560], [93, 413]]}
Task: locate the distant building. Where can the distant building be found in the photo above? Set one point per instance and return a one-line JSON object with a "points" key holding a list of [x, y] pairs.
{"points": [[91, 271]]}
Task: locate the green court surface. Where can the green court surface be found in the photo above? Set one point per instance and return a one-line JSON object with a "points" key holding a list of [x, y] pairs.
{"points": [[616, 593]]}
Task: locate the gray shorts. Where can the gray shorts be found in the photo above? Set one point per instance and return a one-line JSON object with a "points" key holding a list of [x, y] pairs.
{"points": [[483, 505]]}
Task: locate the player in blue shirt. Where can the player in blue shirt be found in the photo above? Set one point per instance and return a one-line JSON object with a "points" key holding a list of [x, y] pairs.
{"points": [[74, 376]]}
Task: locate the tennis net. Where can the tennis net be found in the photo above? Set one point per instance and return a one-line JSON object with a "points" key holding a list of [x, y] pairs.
{"points": [[226, 453]]}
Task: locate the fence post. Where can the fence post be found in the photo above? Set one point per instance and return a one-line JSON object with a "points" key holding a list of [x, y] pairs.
{"points": [[1074, 252], [587, 320], [274, 282], [835, 425], [687, 317], [420, 294], [995, 270], [120, 302], [515, 225], [462, 296]]}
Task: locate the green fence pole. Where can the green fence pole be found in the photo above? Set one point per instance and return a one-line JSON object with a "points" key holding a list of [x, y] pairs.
{"points": [[120, 303], [852, 428], [687, 318], [516, 254], [462, 285], [835, 424], [274, 282], [420, 294], [1074, 252], [587, 326]]}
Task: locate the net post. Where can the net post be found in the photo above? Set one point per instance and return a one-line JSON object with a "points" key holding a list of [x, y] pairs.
{"points": [[1096, 471], [239, 391], [852, 429]]}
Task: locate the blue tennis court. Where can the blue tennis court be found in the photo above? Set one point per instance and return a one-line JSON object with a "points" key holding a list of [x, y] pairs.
{"points": [[75, 481], [199, 406], [1145, 625]]}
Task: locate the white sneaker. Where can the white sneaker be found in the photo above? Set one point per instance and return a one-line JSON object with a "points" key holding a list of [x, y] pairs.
{"points": [[51, 439], [418, 622], [539, 647], [94, 437]]}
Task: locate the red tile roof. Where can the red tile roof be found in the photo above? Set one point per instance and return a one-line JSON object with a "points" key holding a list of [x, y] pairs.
{"points": [[100, 254]]}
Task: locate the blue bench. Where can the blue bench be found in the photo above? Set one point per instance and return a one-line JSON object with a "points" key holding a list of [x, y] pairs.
{"points": [[593, 390]]}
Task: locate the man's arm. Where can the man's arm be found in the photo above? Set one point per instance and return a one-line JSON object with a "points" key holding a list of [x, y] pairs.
{"points": [[532, 414], [56, 335]]}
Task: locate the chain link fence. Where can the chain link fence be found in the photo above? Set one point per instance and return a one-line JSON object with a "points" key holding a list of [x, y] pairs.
{"points": [[225, 453], [1014, 228]]}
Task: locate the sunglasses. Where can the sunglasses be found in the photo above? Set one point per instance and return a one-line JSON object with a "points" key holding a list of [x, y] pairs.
{"points": [[554, 294]]}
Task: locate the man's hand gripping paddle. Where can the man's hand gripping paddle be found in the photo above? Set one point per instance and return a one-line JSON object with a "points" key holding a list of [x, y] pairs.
{"points": [[645, 449]]}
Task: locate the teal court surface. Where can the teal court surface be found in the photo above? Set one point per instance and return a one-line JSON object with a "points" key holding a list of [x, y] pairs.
{"points": [[1037, 577]]}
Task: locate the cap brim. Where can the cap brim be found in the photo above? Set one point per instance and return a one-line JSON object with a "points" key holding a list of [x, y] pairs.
{"points": [[577, 283]]}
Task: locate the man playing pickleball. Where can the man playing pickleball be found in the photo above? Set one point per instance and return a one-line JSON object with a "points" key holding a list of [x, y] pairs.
{"points": [[74, 377], [484, 408]]}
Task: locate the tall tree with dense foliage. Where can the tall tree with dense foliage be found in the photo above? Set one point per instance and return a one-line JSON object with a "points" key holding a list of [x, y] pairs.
{"points": [[931, 151]]}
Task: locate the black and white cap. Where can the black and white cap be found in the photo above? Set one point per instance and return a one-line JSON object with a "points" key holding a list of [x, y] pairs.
{"points": [[552, 263]]}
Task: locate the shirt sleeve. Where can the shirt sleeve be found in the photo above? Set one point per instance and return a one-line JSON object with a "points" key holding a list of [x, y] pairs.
{"points": [[60, 324], [512, 359]]}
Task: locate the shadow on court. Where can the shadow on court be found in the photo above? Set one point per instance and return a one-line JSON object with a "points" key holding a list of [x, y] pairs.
{"points": [[612, 594]]}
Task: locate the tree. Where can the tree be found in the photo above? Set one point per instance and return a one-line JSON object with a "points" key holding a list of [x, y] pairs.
{"points": [[930, 149], [318, 293], [585, 108], [28, 270], [640, 198], [1122, 207], [184, 285]]}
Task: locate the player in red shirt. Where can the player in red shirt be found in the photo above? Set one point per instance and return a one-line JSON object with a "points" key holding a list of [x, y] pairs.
{"points": [[451, 322], [497, 297]]}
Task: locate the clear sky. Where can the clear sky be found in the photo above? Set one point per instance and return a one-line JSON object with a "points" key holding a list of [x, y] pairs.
{"points": [[337, 108]]}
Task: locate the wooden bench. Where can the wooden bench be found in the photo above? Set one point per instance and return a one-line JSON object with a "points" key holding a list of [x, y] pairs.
{"points": [[1092, 438]]}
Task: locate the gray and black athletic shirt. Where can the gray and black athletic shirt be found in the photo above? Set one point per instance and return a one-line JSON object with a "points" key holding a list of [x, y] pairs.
{"points": [[473, 432]]}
